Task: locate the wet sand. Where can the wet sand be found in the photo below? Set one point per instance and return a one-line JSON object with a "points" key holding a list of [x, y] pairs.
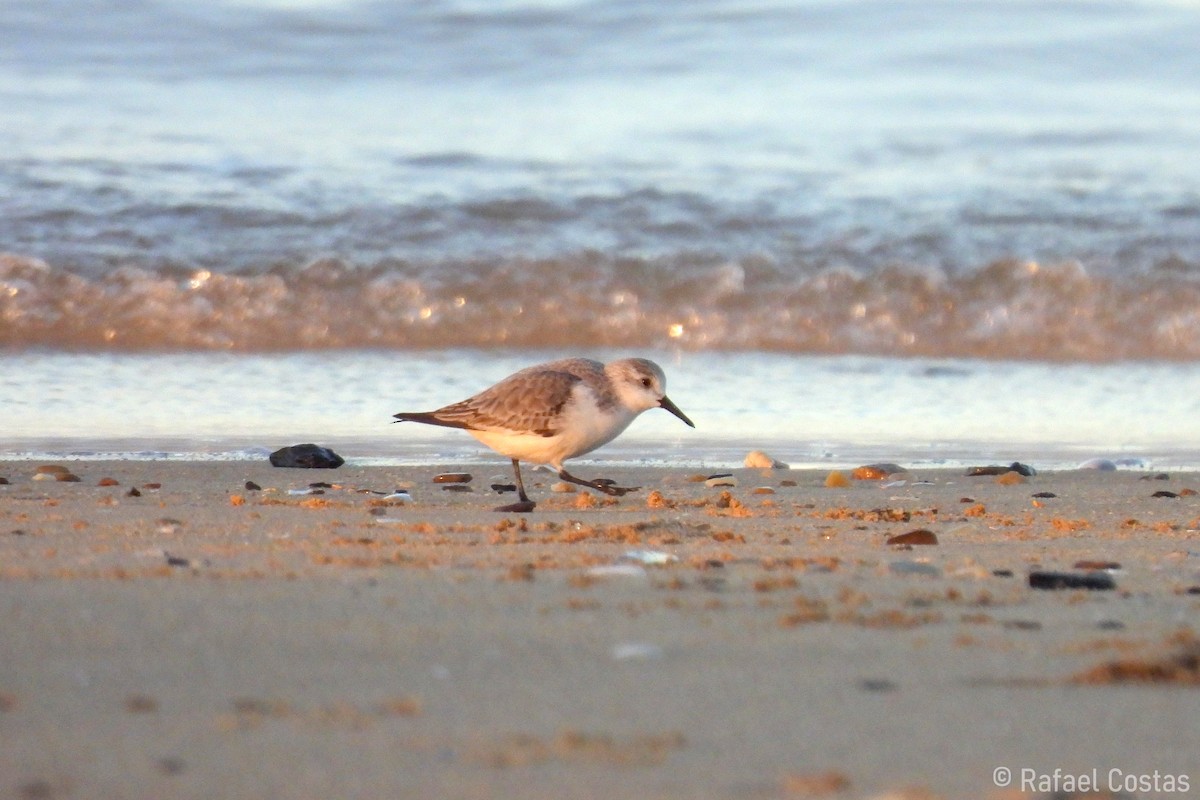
{"points": [[202, 639]]}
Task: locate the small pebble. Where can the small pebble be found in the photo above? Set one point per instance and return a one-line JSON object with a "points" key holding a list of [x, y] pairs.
{"points": [[1011, 478], [1102, 464], [1044, 495], [168, 525], [875, 472], [251, 486], [1110, 625], [1002, 573], [1164, 493], [177, 561], [108, 482], [501, 488], [67, 477], [51, 469], [763, 490], [920, 536], [1162, 476], [452, 477], [720, 480], [788, 482], [457, 487], [877, 685], [3, 481], [1088, 564], [1094, 581], [1023, 625], [133, 493], [153, 487]]}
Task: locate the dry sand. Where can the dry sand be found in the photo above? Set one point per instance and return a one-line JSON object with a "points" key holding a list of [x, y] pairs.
{"points": [[204, 640]]}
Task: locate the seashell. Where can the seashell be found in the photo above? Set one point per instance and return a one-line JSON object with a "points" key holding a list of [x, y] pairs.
{"points": [[836, 480], [757, 459], [724, 479], [650, 556]]}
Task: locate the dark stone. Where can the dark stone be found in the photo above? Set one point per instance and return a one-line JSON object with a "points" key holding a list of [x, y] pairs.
{"points": [[251, 486], [1044, 495], [306, 456], [1002, 573], [1164, 493], [501, 488], [1095, 581], [993, 469], [921, 536]]}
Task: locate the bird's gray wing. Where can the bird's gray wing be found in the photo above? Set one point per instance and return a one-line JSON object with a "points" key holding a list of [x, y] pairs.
{"points": [[531, 400]]}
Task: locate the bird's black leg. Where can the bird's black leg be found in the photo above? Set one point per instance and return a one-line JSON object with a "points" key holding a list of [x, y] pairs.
{"points": [[607, 488], [524, 504]]}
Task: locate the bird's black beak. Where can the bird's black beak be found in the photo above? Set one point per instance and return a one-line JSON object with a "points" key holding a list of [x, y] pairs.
{"points": [[674, 409]]}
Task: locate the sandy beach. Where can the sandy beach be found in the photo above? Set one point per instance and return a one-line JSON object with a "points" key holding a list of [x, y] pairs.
{"points": [[181, 633]]}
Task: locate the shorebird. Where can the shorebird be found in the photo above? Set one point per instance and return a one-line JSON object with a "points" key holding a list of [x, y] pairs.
{"points": [[548, 413]]}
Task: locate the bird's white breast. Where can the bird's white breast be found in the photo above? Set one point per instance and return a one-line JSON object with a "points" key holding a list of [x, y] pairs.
{"points": [[582, 427]]}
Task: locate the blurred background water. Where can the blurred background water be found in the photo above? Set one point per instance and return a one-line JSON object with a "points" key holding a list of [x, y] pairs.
{"points": [[902, 229]]}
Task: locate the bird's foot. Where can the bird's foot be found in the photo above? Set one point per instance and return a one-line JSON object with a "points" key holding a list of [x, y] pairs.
{"points": [[606, 485]]}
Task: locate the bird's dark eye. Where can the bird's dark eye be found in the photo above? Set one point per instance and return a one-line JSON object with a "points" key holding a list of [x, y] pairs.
{"points": [[647, 382]]}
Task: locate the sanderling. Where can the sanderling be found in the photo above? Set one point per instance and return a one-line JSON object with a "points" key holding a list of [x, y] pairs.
{"points": [[555, 411]]}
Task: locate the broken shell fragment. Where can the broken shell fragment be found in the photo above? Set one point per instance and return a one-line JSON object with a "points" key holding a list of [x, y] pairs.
{"points": [[757, 459]]}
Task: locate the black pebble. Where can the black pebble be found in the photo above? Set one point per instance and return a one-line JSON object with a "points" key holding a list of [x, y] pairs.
{"points": [[251, 486], [1002, 573], [1096, 581], [306, 456], [133, 492], [176, 561], [1045, 494], [877, 685], [1164, 493], [501, 488]]}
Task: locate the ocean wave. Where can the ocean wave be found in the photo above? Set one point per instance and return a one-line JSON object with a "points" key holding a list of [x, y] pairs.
{"points": [[1006, 309]]}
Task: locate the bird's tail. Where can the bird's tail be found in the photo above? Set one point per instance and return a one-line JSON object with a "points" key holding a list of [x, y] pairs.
{"points": [[427, 418]]}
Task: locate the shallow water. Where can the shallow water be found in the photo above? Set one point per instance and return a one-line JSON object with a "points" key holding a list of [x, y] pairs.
{"points": [[807, 410], [888, 228]]}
